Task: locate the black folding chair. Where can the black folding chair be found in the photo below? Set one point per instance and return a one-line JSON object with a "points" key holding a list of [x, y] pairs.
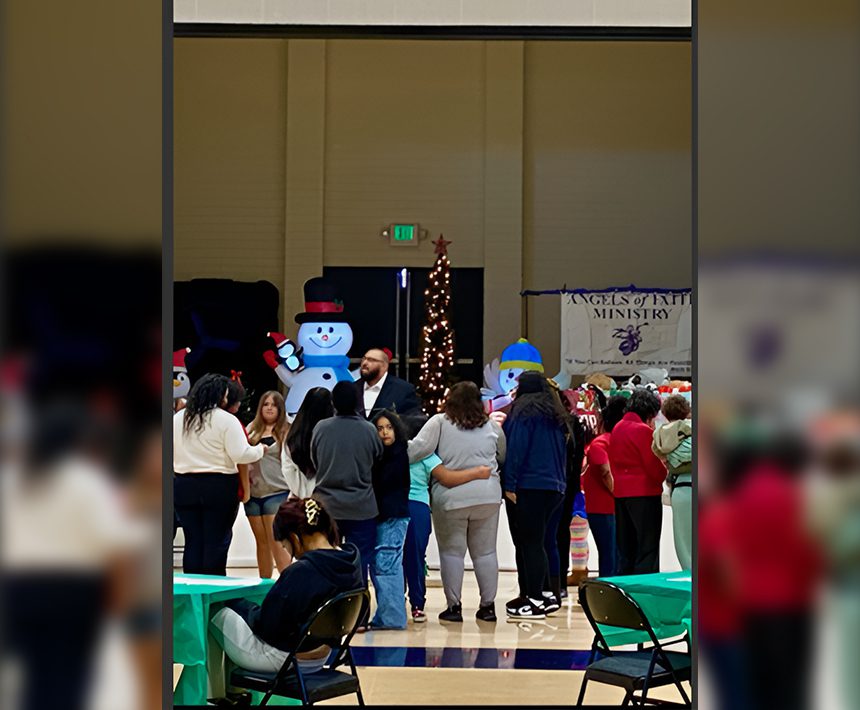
{"points": [[634, 671], [336, 620]]}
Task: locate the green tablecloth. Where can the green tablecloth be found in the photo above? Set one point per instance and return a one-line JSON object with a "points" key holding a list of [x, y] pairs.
{"points": [[665, 597], [195, 598]]}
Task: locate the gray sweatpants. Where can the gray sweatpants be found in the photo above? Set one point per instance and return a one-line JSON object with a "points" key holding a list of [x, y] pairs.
{"points": [[473, 528]]}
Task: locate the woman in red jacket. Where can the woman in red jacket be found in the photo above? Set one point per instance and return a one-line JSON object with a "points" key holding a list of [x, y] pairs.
{"points": [[638, 476]]}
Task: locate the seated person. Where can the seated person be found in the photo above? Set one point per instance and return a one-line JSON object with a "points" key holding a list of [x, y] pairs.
{"points": [[257, 637]]}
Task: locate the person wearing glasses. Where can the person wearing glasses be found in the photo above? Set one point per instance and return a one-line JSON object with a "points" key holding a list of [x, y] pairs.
{"points": [[379, 390]]}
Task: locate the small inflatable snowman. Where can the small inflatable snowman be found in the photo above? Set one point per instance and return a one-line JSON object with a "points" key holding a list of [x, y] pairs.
{"points": [[324, 338], [502, 377], [181, 382]]}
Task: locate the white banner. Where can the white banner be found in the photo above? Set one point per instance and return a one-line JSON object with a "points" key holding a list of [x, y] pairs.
{"points": [[620, 332]]}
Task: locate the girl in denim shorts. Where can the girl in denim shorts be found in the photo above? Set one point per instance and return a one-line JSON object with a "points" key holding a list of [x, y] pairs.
{"points": [[268, 485]]}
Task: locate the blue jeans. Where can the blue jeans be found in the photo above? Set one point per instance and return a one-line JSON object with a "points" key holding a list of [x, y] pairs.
{"points": [[415, 552], [603, 528], [362, 534], [387, 574]]}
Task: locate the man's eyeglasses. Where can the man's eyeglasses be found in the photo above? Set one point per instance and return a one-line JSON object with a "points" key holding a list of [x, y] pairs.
{"points": [[372, 359]]}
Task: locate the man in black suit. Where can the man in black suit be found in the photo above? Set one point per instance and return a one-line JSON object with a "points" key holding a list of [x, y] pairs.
{"points": [[378, 389]]}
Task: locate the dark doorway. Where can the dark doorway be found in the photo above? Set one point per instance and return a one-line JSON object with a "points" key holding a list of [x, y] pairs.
{"points": [[386, 309]]}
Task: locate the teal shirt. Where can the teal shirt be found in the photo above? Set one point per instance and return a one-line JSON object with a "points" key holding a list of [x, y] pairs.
{"points": [[419, 473]]}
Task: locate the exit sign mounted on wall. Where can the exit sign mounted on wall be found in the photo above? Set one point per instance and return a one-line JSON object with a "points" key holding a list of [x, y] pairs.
{"points": [[403, 235]]}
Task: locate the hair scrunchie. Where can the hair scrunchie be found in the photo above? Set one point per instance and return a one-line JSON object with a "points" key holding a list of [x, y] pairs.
{"points": [[312, 511]]}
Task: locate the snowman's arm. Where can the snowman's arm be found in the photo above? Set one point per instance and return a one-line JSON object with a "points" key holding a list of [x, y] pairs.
{"points": [[284, 375], [562, 379]]}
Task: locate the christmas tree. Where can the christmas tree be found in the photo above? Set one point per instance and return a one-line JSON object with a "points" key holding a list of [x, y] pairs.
{"points": [[437, 337]]}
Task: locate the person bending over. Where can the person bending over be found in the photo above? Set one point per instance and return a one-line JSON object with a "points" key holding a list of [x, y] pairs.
{"points": [[257, 637]]}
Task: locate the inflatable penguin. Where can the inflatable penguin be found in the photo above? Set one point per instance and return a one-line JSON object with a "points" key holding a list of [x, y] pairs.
{"points": [[181, 381]]}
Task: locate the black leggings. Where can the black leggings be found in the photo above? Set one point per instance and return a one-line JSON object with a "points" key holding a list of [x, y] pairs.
{"points": [[511, 514], [207, 505], [534, 510]]}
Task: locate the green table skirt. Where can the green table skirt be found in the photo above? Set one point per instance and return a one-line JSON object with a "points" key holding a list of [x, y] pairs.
{"points": [[196, 598], [666, 599]]}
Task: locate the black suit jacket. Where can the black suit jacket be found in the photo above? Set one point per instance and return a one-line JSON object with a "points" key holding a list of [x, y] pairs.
{"points": [[397, 395]]}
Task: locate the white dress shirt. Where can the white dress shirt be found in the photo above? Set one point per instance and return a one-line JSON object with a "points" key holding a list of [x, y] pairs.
{"points": [[371, 394]]}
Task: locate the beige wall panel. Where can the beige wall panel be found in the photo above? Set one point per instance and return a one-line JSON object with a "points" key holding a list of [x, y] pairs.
{"points": [[607, 172], [229, 145], [404, 142], [81, 122], [503, 191], [305, 166]]}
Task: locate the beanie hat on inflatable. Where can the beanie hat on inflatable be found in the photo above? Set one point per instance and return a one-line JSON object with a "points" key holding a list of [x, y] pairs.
{"points": [[522, 354]]}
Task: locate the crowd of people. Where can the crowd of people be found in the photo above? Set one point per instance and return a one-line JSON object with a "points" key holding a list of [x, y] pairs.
{"points": [[351, 489]]}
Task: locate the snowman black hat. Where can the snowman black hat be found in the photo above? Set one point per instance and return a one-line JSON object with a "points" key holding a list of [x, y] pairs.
{"points": [[322, 302]]}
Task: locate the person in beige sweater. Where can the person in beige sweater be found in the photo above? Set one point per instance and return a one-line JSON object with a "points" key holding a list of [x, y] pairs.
{"points": [[673, 442]]}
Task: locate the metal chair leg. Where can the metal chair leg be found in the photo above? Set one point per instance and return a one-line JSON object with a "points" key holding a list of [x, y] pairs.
{"points": [[581, 692]]}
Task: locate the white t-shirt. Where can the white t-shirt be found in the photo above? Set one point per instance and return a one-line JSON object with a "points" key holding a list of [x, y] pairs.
{"points": [[221, 444], [371, 394]]}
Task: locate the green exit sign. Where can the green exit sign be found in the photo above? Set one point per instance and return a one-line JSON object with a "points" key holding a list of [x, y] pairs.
{"points": [[403, 234]]}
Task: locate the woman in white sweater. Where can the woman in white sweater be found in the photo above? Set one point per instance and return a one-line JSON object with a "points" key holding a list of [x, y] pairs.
{"points": [[465, 516], [208, 444]]}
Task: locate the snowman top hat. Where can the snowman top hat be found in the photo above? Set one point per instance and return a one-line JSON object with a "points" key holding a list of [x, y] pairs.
{"points": [[322, 302], [179, 359]]}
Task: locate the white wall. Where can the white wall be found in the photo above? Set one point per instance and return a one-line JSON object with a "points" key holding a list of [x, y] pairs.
{"points": [[650, 13], [242, 551]]}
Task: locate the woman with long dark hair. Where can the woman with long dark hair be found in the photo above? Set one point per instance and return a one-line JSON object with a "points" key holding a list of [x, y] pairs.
{"points": [[298, 467], [391, 488], [535, 481], [465, 516], [208, 444], [268, 484]]}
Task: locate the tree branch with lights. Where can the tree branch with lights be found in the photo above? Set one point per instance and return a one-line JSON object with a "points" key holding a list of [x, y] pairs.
{"points": [[437, 336]]}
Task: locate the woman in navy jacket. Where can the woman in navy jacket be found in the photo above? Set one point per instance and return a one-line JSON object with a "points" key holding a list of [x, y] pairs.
{"points": [[535, 480]]}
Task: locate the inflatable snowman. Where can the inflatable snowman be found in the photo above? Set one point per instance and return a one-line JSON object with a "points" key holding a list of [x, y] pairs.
{"points": [[324, 338], [502, 377]]}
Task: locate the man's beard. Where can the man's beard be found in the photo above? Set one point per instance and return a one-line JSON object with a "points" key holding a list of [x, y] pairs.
{"points": [[370, 375]]}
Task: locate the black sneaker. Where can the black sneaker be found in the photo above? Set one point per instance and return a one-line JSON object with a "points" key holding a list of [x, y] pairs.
{"points": [[486, 613], [527, 610], [551, 603], [454, 613], [514, 604]]}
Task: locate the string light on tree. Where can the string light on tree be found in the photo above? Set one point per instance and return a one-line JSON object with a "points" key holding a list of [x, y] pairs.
{"points": [[437, 337]]}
